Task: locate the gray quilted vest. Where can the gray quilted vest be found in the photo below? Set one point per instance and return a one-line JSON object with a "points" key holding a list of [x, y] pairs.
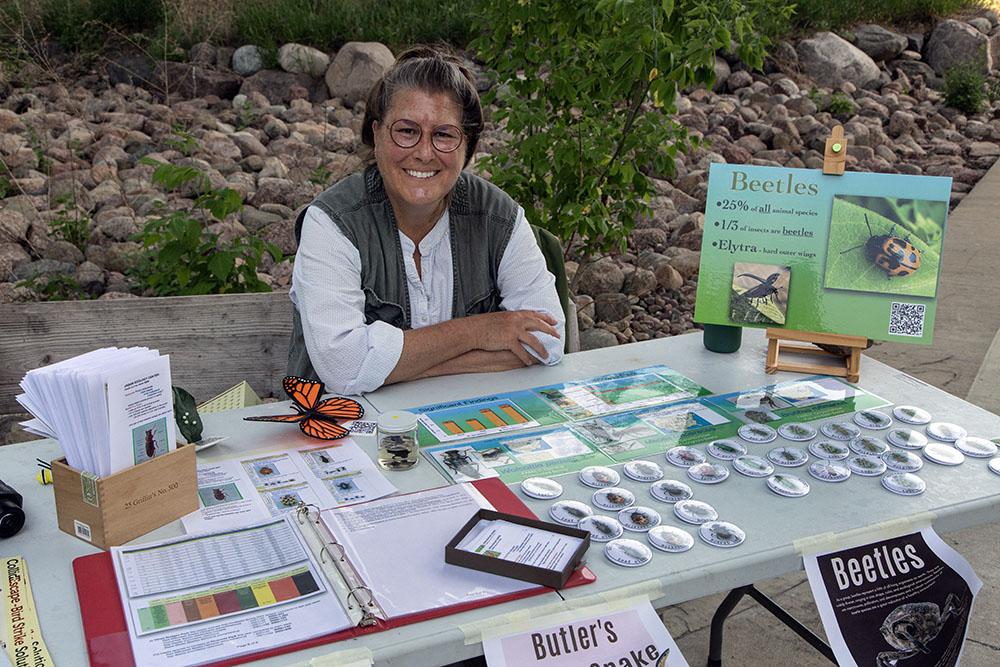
{"points": [[482, 218]]}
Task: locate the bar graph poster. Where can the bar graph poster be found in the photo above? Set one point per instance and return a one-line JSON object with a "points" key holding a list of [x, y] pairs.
{"points": [[488, 415], [554, 404]]}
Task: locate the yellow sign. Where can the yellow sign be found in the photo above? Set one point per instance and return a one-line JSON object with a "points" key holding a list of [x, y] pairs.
{"points": [[24, 644]]}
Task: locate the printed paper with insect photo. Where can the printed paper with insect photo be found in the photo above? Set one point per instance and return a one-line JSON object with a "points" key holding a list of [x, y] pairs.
{"points": [[857, 254], [901, 601]]}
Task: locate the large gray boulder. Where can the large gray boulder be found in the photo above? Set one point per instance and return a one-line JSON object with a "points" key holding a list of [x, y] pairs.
{"points": [[248, 60], [301, 59], [832, 60], [955, 43], [355, 68], [880, 44]]}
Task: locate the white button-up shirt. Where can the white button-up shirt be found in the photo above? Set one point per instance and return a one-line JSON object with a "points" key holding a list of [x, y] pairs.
{"points": [[352, 357]]}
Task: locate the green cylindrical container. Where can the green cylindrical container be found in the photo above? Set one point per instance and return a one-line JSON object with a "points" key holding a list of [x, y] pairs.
{"points": [[722, 338]]}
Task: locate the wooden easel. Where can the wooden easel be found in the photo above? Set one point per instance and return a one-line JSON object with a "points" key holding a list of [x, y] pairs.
{"points": [[834, 158], [777, 341]]}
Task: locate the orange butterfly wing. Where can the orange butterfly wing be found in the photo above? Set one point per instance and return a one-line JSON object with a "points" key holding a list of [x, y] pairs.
{"points": [[304, 392], [316, 418], [322, 429], [339, 408]]}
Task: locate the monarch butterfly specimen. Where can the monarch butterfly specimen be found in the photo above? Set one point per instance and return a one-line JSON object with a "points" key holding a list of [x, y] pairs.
{"points": [[316, 418]]}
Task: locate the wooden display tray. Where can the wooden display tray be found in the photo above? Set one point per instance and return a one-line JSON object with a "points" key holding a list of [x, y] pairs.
{"points": [[506, 568], [112, 510], [850, 367]]}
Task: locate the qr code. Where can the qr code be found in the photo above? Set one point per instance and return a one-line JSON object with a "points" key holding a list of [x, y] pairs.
{"points": [[907, 319], [359, 427]]}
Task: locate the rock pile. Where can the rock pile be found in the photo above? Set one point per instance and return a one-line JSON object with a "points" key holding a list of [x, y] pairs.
{"points": [[279, 137]]}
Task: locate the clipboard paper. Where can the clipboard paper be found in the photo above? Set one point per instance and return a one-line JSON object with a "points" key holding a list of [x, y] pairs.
{"points": [[106, 630]]}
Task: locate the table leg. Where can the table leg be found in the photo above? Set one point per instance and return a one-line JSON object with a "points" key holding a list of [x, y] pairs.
{"points": [[730, 602]]}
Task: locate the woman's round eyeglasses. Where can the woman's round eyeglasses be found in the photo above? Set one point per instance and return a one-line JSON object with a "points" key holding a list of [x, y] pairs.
{"points": [[406, 134]]}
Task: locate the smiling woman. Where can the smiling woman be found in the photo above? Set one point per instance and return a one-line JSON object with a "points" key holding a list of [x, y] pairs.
{"points": [[416, 268]]}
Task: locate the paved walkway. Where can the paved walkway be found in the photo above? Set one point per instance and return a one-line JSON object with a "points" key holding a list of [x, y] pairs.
{"points": [[965, 361]]}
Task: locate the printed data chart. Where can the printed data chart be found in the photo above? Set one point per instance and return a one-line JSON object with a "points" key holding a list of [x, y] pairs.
{"points": [[224, 600]]}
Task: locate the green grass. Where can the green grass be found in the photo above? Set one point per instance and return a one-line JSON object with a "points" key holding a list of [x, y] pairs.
{"points": [[831, 14], [328, 24]]}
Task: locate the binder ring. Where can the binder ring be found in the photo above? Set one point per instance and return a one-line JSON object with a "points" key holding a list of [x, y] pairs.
{"points": [[303, 510], [353, 593], [322, 552]]}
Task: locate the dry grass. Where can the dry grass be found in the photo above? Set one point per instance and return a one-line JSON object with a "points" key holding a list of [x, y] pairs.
{"points": [[200, 20]]}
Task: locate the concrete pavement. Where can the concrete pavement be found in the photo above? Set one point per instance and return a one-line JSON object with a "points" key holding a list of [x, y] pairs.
{"points": [[964, 360]]}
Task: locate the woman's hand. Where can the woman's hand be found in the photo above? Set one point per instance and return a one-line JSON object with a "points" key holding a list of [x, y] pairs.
{"points": [[508, 329]]}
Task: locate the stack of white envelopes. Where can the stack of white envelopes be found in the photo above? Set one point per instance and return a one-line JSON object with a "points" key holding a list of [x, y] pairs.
{"points": [[109, 409]]}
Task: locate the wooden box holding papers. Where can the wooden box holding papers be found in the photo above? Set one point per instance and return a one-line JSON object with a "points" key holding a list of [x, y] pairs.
{"points": [[529, 557], [108, 511]]}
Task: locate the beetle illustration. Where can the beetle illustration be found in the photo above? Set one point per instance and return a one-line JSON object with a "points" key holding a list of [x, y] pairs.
{"points": [[910, 627], [150, 444], [288, 500], [872, 417], [639, 519], [759, 432], [673, 490], [722, 532], [604, 527], [840, 430], [616, 498], [894, 255], [491, 454], [765, 291], [219, 494], [798, 430], [266, 470], [460, 463], [787, 455]]}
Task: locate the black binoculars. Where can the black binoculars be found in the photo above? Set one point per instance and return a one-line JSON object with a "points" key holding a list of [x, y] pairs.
{"points": [[11, 514]]}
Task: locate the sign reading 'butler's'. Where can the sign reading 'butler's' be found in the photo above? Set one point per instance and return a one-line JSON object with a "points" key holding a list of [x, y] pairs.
{"points": [[633, 637], [856, 254]]}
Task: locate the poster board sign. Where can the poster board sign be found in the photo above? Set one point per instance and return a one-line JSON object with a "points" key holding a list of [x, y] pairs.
{"points": [[631, 636], [553, 404], [857, 254], [905, 600]]}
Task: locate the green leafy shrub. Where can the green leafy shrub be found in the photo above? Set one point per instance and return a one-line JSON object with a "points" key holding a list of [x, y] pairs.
{"points": [[72, 223], [965, 88], [838, 102], [180, 257], [59, 288], [586, 89]]}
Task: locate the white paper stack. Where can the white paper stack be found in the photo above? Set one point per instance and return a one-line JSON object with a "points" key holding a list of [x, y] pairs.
{"points": [[109, 409]]}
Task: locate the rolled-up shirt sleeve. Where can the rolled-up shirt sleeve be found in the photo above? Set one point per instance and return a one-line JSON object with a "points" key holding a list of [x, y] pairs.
{"points": [[526, 284], [349, 356]]}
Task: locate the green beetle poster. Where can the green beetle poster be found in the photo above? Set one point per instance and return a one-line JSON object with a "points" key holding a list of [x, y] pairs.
{"points": [[857, 254]]}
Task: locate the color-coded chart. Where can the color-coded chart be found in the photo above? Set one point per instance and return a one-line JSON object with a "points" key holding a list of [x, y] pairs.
{"points": [[222, 601], [481, 417]]}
